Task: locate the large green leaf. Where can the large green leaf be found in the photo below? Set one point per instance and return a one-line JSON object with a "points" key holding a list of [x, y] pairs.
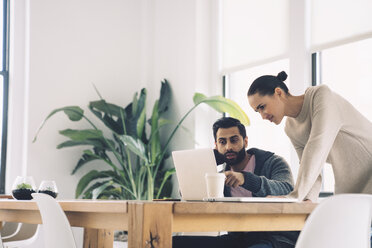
{"points": [[87, 157], [134, 103], [79, 135], [165, 97], [97, 191], [117, 191], [155, 136], [141, 125], [133, 112], [99, 143], [74, 113], [87, 179], [136, 146], [112, 192], [109, 114], [88, 192], [223, 105], [167, 174]]}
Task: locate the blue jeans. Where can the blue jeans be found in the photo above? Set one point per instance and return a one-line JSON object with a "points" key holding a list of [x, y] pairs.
{"points": [[222, 241]]}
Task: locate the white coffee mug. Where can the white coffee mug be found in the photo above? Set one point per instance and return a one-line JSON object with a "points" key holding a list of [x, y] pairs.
{"points": [[215, 184]]}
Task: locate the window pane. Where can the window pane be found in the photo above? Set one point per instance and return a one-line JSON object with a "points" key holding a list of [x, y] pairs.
{"points": [[253, 31], [347, 70], [1, 34], [335, 20], [261, 133], [1, 107]]}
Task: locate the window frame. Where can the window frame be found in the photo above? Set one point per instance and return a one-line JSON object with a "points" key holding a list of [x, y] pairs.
{"points": [[5, 74]]}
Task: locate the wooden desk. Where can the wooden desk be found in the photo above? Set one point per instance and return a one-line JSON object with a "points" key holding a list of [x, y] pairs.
{"points": [[98, 218], [155, 223], [150, 224]]}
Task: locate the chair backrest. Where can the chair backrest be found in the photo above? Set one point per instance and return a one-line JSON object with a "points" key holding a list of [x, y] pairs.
{"points": [[340, 221], [57, 229]]}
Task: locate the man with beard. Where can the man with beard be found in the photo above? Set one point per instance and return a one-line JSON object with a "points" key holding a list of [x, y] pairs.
{"points": [[251, 173]]}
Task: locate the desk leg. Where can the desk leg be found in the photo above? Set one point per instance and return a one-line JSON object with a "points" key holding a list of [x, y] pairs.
{"points": [[150, 225], [1, 239], [98, 238]]}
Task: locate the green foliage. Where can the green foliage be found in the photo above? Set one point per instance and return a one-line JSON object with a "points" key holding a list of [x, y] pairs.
{"points": [[134, 160], [24, 186]]}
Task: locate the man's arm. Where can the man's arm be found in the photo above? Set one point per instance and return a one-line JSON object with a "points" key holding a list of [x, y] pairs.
{"points": [[276, 179]]}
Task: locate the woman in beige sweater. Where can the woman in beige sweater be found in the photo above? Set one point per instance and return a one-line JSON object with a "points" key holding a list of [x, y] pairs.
{"points": [[323, 127]]}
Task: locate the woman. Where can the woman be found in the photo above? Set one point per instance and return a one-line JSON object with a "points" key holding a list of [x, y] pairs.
{"points": [[323, 127]]}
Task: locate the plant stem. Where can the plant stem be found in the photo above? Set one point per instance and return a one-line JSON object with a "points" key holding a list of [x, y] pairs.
{"points": [[161, 186], [170, 138], [150, 184], [129, 163]]}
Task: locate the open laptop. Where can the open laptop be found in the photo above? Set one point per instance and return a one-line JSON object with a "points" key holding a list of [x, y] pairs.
{"points": [[191, 167]]}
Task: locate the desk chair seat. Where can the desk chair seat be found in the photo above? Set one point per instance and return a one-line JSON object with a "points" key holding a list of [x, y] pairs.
{"points": [[57, 229], [27, 235], [340, 221], [9, 229]]}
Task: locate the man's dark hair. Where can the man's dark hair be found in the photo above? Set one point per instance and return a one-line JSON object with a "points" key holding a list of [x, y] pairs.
{"points": [[227, 122]]}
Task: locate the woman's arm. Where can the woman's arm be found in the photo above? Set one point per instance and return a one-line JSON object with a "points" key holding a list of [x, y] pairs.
{"points": [[324, 129]]}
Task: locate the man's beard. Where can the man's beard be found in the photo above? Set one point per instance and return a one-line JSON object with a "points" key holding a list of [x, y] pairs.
{"points": [[239, 157]]}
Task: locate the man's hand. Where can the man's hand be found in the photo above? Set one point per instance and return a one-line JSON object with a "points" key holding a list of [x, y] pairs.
{"points": [[234, 179]]}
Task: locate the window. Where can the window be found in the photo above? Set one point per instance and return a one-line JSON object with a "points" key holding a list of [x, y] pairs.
{"points": [[261, 134], [255, 41], [297, 36], [347, 70], [4, 83]]}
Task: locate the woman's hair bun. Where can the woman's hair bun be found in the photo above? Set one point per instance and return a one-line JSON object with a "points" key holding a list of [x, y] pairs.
{"points": [[282, 76]]}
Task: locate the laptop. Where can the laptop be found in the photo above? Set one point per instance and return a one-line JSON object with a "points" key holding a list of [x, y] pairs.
{"points": [[191, 167]]}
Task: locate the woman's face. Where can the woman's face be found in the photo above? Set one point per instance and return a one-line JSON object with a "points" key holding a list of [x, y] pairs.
{"points": [[270, 107]]}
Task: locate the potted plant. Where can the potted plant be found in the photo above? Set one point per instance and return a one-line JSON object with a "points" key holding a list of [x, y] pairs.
{"points": [[23, 187], [134, 159]]}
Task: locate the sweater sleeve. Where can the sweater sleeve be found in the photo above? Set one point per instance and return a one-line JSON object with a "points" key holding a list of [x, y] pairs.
{"points": [[314, 192], [325, 127], [277, 179]]}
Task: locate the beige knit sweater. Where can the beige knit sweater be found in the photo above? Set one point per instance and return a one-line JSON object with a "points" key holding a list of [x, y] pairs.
{"points": [[329, 129]]}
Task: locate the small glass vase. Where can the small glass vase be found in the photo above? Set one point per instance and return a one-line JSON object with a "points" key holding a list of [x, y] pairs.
{"points": [[23, 187], [48, 187]]}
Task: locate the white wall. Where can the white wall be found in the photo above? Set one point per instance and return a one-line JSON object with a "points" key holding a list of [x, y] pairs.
{"points": [[120, 46], [73, 44], [183, 52]]}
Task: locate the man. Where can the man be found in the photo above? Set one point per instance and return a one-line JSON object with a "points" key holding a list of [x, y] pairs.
{"points": [[255, 173]]}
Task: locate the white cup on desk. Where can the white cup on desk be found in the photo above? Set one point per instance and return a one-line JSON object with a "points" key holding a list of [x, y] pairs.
{"points": [[215, 184]]}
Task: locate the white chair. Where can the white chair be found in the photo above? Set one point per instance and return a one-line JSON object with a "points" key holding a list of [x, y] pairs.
{"points": [[57, 229], [340, 221], [26, 235], [9, 229]]}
